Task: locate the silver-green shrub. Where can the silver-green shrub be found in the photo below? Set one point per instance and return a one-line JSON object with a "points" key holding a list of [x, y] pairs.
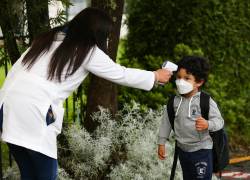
{"points": [[124, 148]]}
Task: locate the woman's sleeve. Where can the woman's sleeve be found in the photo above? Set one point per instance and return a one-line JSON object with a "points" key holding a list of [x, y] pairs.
{"points": [[101, 65]]}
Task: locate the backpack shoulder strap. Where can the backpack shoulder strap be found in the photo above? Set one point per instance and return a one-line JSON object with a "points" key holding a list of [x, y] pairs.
{"points": [[171, 117], [204, 104], [170, 109]]}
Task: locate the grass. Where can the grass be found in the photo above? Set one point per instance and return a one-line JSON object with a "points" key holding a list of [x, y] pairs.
{"points": [[2, 75]]}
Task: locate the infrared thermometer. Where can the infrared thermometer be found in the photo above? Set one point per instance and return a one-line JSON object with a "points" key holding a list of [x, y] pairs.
{"points": [[169, 66]]}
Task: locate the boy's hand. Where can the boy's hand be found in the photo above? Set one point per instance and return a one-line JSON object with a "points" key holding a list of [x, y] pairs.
{"points": [[201, 124], [161, 151]]}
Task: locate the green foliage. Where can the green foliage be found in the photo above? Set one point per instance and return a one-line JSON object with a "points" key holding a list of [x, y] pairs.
{"points": [[3, 57], [216, 29], [182, 50], [60, 19], [159, 95], [235, 110], [152, 99], [65, 3]]}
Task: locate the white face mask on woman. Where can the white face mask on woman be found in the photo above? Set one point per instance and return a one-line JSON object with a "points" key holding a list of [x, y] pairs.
{"points": [[183, 87]]}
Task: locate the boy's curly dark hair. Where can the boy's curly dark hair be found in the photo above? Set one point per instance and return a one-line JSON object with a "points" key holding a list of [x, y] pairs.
{"points": [[197, 66]]}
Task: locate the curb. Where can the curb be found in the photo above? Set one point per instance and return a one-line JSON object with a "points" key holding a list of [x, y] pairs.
{"points": [[239, 159]]}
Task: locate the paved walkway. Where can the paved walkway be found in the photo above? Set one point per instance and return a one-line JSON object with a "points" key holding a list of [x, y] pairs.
{"points": [[235, 175], [240, 170]]}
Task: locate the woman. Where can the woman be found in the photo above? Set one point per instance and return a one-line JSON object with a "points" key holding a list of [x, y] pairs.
{"points": [[45, 75]]}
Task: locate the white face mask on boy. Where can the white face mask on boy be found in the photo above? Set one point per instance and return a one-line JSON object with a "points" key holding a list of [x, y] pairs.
{"points": [[183, 87]]}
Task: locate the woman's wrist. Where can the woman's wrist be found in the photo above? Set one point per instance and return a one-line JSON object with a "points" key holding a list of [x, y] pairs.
{"points": [[156, 77]]}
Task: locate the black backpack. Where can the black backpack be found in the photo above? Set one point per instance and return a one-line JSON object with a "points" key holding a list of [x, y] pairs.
{"points": [[220, 141]]}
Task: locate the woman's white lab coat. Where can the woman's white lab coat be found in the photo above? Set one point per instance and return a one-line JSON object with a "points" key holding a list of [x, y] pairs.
{"points": [[27, 95]]}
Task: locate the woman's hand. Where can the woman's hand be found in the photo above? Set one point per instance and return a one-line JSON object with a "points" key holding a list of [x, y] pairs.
{"points": [[162, 75], [161, 151]]}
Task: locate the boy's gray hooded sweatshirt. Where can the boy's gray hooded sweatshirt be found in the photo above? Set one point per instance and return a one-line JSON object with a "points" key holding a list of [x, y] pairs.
{"points": [[186, 112]]}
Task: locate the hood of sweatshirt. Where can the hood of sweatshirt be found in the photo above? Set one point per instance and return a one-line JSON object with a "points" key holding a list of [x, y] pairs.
{"points": [[190, 99]]}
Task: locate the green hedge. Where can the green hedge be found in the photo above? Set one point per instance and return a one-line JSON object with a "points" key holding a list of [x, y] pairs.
{"points": [[218, 29]]}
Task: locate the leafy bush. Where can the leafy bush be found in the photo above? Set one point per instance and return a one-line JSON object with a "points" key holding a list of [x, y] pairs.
{"points": [[217, 29], [119, 149]]}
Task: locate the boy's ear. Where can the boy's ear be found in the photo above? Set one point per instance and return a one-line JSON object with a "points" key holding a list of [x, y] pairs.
{"points": [[200, 83]]}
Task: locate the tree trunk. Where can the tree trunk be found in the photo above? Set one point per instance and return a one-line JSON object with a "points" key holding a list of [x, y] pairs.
{"points": [[7, 30], [38, 17], [101, 92]]}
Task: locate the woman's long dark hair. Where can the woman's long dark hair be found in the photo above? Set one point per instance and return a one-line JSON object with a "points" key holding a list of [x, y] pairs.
{"points": [[90, 27]]}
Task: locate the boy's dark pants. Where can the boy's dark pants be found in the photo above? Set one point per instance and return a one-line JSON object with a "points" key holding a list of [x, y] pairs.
{"points": [[196, 165]]}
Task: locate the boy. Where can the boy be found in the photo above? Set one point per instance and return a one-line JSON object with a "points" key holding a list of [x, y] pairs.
{"points": [[194, 144]]}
